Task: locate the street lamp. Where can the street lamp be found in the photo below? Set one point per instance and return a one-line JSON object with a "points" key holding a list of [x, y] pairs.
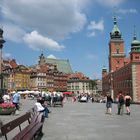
{"points": [[111, 86], [2, 41]]}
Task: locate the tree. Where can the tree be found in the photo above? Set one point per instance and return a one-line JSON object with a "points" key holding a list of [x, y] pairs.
{"points": [[93, 85]]}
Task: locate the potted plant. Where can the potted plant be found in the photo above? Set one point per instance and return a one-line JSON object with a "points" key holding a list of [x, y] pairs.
{"points": [[6, 108]]}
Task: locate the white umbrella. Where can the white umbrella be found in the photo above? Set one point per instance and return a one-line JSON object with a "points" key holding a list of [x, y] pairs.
{"points": [[36, 92], [27, 91], [20, 92]]}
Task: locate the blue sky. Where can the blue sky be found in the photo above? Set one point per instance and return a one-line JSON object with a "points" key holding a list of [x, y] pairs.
{"points": [[77, 30]]}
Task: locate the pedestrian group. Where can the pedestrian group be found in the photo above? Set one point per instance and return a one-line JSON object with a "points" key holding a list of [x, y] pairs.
{"points": [[121, 101]]}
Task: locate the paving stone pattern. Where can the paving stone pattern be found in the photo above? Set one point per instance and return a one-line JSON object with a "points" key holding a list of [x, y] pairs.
{"points": [[86, 121]]}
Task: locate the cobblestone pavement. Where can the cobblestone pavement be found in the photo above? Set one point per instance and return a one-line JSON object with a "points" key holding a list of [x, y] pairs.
{"points": [[87, 121]]}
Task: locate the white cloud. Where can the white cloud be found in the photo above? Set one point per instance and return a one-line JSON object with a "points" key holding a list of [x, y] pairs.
{"points": [[92, 34], [127, 11], [38, 42], [51, 56], [13, 32], [95, 26], [54, 18], [110, 3]]}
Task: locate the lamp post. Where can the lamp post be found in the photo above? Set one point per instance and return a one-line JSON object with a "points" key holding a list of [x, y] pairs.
{"points": [[111, 86], [2, 41]]}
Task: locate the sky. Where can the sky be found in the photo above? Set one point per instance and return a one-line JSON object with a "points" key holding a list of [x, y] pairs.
{"points": [[78, 30]]}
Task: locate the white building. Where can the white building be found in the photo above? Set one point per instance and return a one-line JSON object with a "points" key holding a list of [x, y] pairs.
{"points": [[79, 83]]}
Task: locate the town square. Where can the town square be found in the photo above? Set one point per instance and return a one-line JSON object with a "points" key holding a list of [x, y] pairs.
{"points": [[84, 121], [69, 70]]}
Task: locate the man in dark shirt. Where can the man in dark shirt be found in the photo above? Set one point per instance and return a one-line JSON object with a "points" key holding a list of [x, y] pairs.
{"points": [[120, 103]]}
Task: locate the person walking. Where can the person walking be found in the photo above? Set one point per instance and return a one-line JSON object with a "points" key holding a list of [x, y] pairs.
{"points": [[74, 99], [109, 102], [120, 103], [127, 99], [16, 100]]}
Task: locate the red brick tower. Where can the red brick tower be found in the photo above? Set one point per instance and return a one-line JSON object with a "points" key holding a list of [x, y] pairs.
{"points": [[116, 49]]}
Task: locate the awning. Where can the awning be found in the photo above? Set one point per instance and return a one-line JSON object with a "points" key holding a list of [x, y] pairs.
{"points": [[67, 93]]}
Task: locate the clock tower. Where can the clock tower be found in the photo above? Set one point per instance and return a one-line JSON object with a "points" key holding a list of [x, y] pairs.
{"points": [[116, 48]]}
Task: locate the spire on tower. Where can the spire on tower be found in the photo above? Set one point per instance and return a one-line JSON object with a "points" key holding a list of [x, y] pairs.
{"points": [[134, 37], [115, 19], [116, 33]]}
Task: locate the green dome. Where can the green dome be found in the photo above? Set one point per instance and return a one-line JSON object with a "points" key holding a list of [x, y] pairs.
{"points": [[116, 33], [115, 30], [135, 43], [104, 68]]}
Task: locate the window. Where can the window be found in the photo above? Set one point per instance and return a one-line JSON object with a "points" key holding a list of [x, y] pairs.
{"points": [[118, 62], [136, 57], [117, 50]]}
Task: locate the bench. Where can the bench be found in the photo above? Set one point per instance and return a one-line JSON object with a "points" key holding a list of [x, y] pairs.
{"points": [[30, 131]]}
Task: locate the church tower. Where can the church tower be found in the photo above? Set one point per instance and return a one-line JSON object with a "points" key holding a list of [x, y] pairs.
{"points": [[116, 48], [135, 49]]}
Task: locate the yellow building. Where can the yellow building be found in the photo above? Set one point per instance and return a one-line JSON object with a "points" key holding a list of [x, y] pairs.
{"points": [[19, 78]]}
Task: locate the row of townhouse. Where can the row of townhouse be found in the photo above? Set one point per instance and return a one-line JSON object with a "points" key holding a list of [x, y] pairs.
{"points": [[44, 77], [40, 77]]}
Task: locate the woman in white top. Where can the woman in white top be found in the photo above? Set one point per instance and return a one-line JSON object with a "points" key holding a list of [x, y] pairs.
{"points": [[40, 108]]}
